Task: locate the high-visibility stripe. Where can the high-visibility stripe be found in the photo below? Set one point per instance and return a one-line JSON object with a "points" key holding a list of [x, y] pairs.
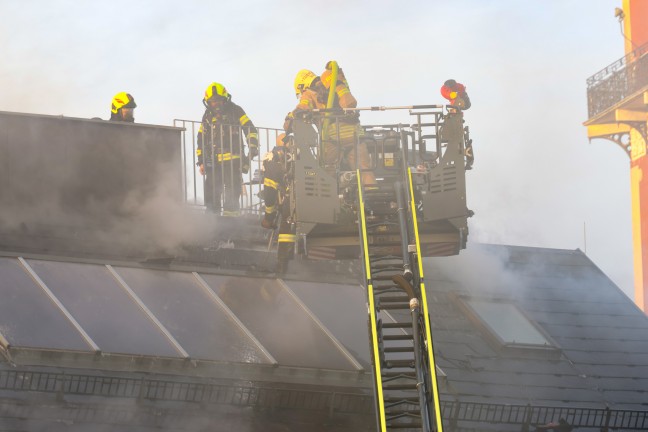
{"points": [[269, 209], [344, 90], [227, 156], [253, 135], [372, 311], [345, 131], [287, 238], [198, 152], [424, 310], [305, 102], [244, 119], [270, 183]]}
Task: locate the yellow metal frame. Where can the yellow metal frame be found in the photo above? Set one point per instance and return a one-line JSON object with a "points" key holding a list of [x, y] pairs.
{"points": [[372, 310], [424, 310]]}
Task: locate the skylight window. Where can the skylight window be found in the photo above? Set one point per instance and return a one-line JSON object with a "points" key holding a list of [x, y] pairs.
{"points": [[508, 323]]}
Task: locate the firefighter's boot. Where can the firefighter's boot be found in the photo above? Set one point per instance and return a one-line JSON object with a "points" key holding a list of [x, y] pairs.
{"points": [[285, 252]]}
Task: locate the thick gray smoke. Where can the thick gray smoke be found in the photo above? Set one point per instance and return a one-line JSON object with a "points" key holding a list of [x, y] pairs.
{"points": [[157, 220], [70, 182]]}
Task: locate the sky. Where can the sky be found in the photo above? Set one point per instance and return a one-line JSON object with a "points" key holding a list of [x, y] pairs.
{"points": [[537, 180]]}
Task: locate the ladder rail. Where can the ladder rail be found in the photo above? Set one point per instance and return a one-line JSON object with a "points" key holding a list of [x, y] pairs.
{"points": [[418, 354], [413, 379], [424, 310], [362, 226]]}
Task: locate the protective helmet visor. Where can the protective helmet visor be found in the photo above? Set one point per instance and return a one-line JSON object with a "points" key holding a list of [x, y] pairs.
{"points": [[128, 114]]}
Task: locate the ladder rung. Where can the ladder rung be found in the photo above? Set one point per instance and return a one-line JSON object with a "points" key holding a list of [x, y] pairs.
{"points": [[401, 413], [406, 375], [404, 425], [382, 277], [394, 401], [399, 363], [396, 325], [401, 299], [389, 266], [398, 337], [392, 306], [410, 386], [374, 258], [387, 285], [399, 349]]}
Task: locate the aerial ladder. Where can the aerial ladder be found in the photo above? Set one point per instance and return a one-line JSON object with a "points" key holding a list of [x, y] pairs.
{"points": [[416, 209], [417, 204], [405, 381]]}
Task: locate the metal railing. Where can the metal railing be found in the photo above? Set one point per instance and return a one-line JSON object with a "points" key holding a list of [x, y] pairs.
{"points": [[455, 414], [231, 140], [618, 80]]}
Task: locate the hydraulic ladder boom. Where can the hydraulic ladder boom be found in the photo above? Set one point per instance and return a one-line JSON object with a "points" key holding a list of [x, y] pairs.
{"points": [[405, 380]]}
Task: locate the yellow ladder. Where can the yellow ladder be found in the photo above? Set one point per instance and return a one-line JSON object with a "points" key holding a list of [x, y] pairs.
{"points": [[405, 381]]}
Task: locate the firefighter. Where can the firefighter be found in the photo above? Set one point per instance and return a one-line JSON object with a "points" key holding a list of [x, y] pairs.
{"points": [[277, 201], [456, 93], [340, 135], [220, 154], [122, 108]]}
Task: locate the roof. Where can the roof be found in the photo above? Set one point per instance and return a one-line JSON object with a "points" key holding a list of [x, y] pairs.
{"points": [[174, 336], [601, 335]]}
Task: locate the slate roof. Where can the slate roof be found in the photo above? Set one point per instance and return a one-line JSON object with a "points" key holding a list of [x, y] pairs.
{"points": [[602, 336], [142, 348]]}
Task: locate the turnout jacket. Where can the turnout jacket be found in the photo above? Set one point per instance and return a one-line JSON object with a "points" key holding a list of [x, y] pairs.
{"points": [[221, 132]]}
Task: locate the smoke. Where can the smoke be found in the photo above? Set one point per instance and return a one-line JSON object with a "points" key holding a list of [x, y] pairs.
{"points": [[157, 221], [480, 268], [535, 181], [95, 185]]}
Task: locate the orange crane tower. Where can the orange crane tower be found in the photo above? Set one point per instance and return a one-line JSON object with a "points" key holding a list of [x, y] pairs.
{"points": [[617, 99]]}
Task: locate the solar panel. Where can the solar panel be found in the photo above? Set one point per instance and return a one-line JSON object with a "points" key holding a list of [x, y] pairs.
{"points": [[343, 310], [28, 317], [104, 309], [192, 314], [279, 322]]}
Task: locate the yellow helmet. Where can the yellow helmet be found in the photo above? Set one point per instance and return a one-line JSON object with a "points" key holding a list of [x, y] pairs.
{"points": [[215, 90], [122, 100], [303, 80]]}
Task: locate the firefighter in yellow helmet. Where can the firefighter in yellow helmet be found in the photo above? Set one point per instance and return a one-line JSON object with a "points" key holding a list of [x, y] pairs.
{"points": [[122, 108], [277, 200], [342, 137], [220, 151]]}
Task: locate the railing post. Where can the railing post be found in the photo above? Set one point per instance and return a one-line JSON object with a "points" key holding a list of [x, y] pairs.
{"points": [[454, 421], [608, 415], [527, 420]]}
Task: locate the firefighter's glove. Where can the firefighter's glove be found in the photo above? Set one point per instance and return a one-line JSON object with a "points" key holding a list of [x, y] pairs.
{"points": [[254, 152], [245, 164]]}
